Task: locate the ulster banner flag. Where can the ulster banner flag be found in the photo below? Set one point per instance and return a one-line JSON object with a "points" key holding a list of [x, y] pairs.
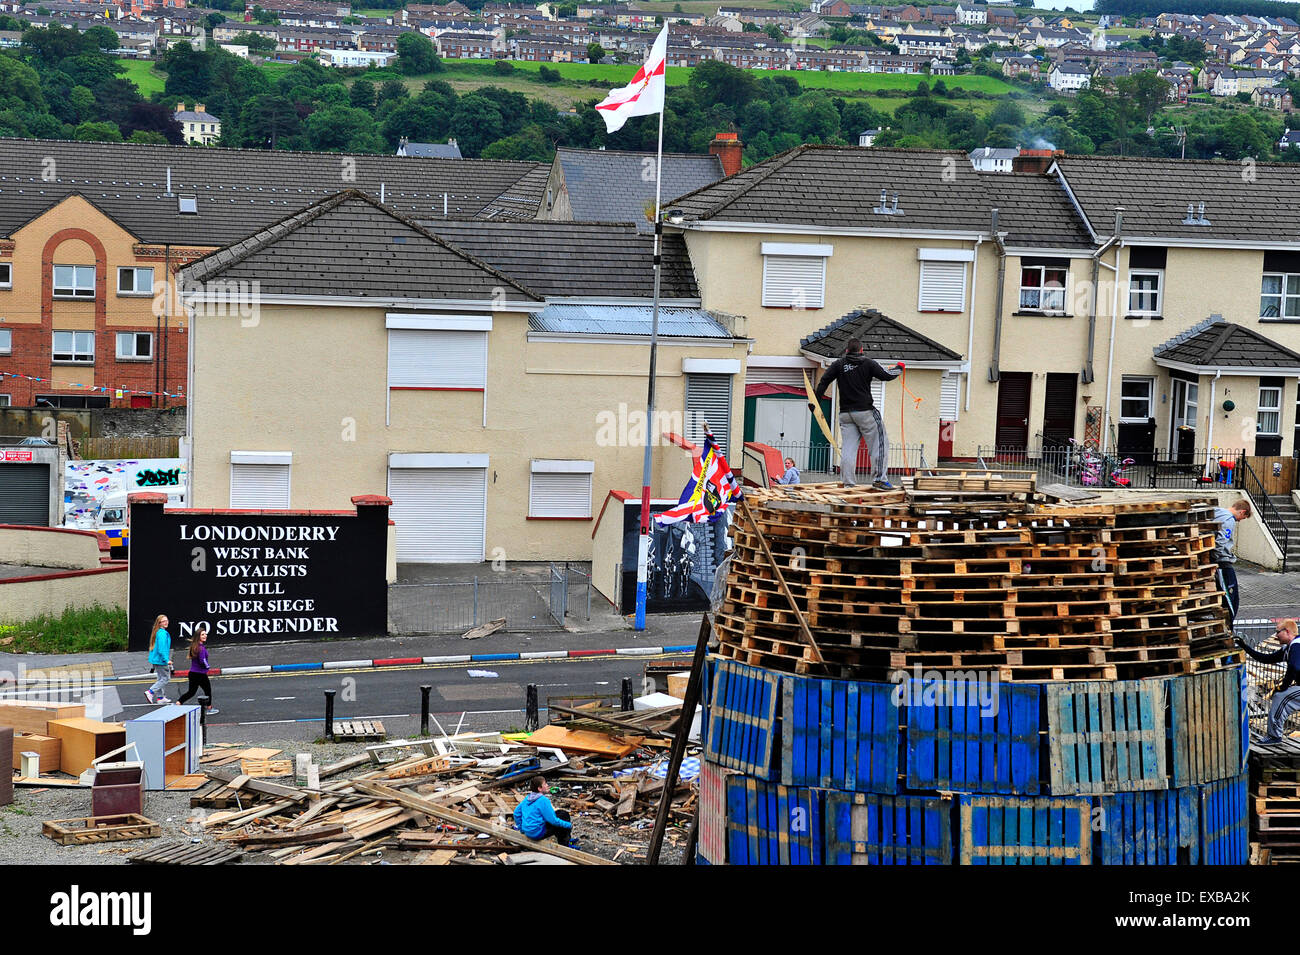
{"points": [[644, 95], [710, 491]]}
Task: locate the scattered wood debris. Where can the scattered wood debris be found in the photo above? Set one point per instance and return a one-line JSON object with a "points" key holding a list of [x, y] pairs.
{"points": [[451, 800]]}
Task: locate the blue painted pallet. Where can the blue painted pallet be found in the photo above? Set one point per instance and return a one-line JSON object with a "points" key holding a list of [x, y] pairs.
{"points": [[1245, 720], [960, 743], [839, 734], [771, 824], [1024, 830], [1150, 828], [1106, 737], [741, 727], [1205, 715], [870, 829], [1225, 837]]}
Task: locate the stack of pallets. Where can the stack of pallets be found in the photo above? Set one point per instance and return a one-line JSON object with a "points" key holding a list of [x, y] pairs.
{"points": [[1275, 794], [972, 572]]}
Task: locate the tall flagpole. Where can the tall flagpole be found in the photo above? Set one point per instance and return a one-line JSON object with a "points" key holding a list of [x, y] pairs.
{"points": [[643, 549]]}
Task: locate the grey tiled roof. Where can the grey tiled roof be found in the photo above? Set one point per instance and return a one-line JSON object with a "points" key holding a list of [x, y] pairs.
{"points": [[607, 185], [882, 338], [239, 190], [840, 186], [1216, 343], [626, 320], [608, 260], [1155, 192], [521, 200], [349, 244], [433, 150], [1035, 211]]}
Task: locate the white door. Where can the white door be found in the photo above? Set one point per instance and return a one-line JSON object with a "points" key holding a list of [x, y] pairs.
{"points": [[784, 424], [439, 514]]}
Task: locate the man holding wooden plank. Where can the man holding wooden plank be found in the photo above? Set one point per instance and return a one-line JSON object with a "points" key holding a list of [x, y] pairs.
{"points": [[859, 417]]}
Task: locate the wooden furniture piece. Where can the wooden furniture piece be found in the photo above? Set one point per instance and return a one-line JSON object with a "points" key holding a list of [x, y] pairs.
{"points": [[80, 832], [117, 791], [30, 716], [83, 741], [168, 742], [47, 748], [6, 757]]}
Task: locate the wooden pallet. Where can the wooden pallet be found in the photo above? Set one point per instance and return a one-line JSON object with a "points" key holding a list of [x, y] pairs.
{"points": [[359, 730], [96, 829], [187, 853], [266, 768]]}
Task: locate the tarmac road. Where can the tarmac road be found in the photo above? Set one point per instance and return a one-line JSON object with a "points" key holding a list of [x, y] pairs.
{"points": [[253, 705]]}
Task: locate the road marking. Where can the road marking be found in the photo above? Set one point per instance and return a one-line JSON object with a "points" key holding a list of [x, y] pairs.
{"points": [[284, 697], [262, 673]]}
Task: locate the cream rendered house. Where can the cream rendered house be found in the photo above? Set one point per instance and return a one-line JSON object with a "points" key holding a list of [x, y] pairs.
{"points": [[198, 125], [1071, 295], [496, 414]]}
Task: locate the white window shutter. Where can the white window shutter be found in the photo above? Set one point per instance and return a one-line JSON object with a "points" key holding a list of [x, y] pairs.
{"points": [[708, 401], [559, 495], [878, 392], [949, 396], [436, 358], [943, 286], [792, 377], [794, 281], [259, 486]]}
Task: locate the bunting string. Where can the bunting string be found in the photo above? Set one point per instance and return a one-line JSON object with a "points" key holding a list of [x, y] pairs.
{"points": [[104, 389]]}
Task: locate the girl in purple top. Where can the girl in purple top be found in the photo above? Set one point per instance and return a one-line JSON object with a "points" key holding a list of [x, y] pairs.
{"points": [[199, 668]]}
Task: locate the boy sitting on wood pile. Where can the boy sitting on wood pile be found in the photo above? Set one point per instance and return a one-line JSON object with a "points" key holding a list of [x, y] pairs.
{"points": [[536, 818]]}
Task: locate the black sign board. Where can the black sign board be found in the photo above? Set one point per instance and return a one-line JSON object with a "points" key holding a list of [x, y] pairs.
{"points": [[257, 577]]}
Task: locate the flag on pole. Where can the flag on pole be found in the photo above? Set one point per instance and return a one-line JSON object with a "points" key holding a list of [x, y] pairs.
{"points": [[711, 489], [644, 95]]}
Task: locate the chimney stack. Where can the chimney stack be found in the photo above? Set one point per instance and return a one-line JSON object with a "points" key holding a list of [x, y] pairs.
{"points": [[180, 107], [1035, 160], [198, 107], [728, 148]]}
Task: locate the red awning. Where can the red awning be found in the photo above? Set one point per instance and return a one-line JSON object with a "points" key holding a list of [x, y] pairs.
{"points": [[760, 389]]}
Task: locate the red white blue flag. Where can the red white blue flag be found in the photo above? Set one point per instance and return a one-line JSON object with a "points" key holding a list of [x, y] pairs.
{"points": [[710, 491]]}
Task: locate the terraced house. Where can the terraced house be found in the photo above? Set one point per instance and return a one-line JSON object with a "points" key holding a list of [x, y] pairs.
{"points": [[91, 235], [1148, 306]]}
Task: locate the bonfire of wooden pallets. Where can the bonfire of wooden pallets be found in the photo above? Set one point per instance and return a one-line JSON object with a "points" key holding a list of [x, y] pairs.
{"points": [[972, 571]]}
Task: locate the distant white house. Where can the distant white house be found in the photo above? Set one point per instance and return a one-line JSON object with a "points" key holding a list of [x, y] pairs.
{"points": [[197, 124], [1069, 78], [362, 58], [991, 159], [868, 136], [1290, 138], [972, 14]]}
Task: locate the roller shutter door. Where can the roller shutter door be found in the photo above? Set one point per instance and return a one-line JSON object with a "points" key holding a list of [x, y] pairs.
{"points": [[25, 494], [708, 401], [439, 514], [259, 486]]}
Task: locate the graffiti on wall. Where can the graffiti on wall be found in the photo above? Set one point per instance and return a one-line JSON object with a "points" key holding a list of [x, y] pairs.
{"points": [[88, 484]]}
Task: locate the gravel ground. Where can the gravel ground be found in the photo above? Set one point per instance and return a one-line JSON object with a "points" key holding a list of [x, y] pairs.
{"points": [[21, 842]]}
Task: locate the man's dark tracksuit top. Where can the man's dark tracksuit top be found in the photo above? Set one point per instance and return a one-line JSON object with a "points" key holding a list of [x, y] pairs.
{"points": [[1290, 654], [854, 374]]}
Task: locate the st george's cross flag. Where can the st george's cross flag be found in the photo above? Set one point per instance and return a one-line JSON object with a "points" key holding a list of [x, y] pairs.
{"points": [[644, 95], [711, 489]]}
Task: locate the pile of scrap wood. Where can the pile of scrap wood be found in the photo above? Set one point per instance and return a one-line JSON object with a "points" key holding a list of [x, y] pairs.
{"points": [[446, 801]]}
